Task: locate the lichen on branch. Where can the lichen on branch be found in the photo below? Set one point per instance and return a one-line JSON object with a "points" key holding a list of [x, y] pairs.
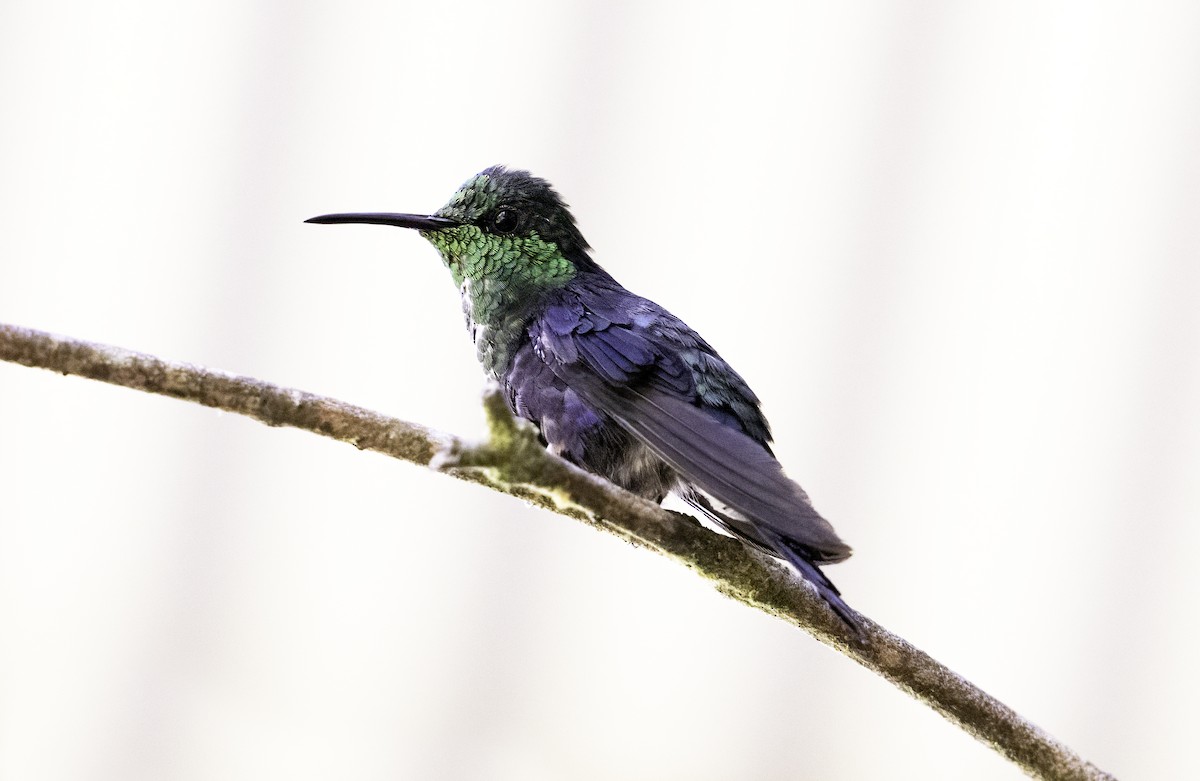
{"points": [[512, 461]]}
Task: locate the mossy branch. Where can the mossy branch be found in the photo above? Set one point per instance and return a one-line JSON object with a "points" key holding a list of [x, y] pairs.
{"points": [[513, 462]]}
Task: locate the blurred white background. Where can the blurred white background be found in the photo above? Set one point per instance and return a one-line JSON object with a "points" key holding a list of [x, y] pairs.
{"points": [[954, 247]]}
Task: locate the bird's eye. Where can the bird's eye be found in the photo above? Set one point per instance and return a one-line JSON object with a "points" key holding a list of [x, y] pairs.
{"points": [[504, 221]]}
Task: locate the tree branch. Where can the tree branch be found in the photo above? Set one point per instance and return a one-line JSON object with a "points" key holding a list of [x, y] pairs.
{"points": [[513, 462]]}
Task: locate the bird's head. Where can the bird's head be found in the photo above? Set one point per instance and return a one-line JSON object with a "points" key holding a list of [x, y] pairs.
{"points": [[500, 225]]}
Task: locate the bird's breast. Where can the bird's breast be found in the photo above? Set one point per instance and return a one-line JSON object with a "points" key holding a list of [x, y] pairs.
{"points": [[495, 327]]}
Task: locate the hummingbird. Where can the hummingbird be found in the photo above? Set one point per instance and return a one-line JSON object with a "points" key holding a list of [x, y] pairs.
{"points": [[613, 382]]}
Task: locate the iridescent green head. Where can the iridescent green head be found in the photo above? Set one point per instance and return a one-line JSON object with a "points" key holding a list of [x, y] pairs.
{"points": [[501, 226]]}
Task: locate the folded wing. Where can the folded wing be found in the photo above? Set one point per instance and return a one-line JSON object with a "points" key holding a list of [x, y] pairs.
{"points": [[656, 378]]}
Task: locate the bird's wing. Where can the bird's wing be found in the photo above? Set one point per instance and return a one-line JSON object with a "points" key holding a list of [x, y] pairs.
{"points": [[640, 365]]}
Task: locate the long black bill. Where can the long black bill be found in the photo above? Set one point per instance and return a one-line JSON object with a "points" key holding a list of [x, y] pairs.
{"points": [[421, 222]]}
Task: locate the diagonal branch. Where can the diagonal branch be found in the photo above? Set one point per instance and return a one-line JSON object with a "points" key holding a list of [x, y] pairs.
{"points": [[512, 461]]}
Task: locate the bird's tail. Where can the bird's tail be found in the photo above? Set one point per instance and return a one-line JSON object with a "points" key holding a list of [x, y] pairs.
{"points": [[768, 541], [802, 563]]}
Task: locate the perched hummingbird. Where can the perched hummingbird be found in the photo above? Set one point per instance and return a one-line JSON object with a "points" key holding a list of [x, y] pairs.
{"points": [[614, 383]]}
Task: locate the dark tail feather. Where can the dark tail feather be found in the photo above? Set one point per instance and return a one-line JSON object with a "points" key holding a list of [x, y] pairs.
{"points": [[771, 542], [813, 574]]}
